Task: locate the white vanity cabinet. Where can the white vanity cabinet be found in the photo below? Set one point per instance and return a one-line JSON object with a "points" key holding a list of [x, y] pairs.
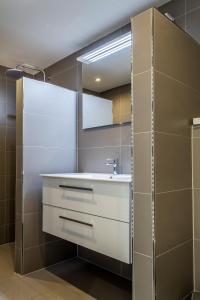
{"points": [[93, 213]]}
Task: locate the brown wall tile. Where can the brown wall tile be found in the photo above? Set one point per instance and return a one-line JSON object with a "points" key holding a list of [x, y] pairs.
{"points": [[141, 102], [33, 234], [192, 4], [106, 262], [173, 224], [196, 164], [2, 187], [174, 273], [7, 156], [196, 203], [94, 159], [142, 33], [143, 276], [197, 264], [175, 105], [175, 7], [101, 137], [193, 24], [174, 59], [47, 254], [143, 220], [173, 170], [142, 163], [125, 159], [143, 260], [125, 134], [18, 260]]}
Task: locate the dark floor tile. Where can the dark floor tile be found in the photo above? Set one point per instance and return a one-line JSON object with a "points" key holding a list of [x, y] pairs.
{"points": [[105, 262], [194, 296], [93, 280]]}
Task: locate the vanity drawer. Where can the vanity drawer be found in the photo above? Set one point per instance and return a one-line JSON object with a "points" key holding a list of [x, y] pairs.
{"points": [[109, 237], [110, 200]]}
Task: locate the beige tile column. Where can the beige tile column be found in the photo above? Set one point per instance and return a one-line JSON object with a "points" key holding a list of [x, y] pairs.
{"points": [[166, 86], [143, 185]]}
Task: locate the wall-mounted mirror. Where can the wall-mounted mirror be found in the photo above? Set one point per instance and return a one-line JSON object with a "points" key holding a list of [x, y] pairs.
{"points": [[106, 84]]}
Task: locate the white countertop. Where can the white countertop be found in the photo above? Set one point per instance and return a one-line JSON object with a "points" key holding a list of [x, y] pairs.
{"points": [[92, 176]]}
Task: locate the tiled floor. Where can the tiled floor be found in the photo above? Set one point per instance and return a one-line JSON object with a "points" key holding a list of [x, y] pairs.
{"points": [[100, 284], [40, 285], [195, 296]]}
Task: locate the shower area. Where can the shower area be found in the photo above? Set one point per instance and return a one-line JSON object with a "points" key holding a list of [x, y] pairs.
{"points": [[38, 135], [166, 168], [7, 157]]}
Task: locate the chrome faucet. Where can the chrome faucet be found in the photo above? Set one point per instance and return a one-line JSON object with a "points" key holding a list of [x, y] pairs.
{"points": [[113, 162]]}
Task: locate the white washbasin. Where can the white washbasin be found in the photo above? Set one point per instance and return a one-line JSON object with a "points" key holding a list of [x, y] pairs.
{"points": [[93, 176]]}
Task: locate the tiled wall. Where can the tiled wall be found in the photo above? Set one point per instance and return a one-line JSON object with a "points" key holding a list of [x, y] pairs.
{"points": [[7, 158], [95, 145], [46, 143], [186, 14], [162, 156], [177, 101], [143, 256], [196, 204], [121, 101]]}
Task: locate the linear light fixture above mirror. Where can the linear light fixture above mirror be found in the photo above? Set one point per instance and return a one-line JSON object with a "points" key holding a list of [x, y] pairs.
{"points": [[106, 49]]}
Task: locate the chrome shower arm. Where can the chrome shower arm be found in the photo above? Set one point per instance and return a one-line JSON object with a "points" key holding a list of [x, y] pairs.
{"points": [[30, 67]]}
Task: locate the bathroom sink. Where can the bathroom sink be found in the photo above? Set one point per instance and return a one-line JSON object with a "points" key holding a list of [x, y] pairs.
{"points": [[93, 176]]}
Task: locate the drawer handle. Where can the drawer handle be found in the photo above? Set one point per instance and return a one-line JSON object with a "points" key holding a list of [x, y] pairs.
{"points": [[75, 187], [76, 221]]}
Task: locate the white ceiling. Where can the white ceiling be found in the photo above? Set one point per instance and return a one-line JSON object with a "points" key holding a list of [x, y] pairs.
{"points": [[114, 70], [41, 32]]}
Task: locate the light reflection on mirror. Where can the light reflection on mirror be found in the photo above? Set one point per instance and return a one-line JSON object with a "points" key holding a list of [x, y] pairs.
{"points": [[106, 85]]}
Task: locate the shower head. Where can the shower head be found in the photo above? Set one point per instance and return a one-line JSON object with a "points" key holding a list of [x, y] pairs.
{"points": [[18, 71], [14, 73]]}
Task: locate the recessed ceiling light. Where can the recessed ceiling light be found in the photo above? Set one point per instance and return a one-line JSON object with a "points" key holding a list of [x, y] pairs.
{"points": [[97, 79], [109, 48]]}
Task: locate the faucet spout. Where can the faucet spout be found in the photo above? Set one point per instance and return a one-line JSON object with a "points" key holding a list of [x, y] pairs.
{"points": [[114, 163]]}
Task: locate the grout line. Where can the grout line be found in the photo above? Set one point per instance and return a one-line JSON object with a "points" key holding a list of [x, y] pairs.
{"points": [[193, 250], [192, 10], [173, 134], [172, 191], [5, 152], [180, 82], [42, 244], [142, 132], [174, 248], [141, 73], [186, 296], [103, 147], [141, 193], [180, 16], [147, 256]]}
